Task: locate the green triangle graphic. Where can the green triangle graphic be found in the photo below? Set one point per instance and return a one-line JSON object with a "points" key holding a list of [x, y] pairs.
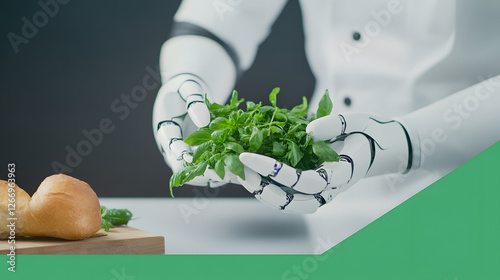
{"points": [[450, 230]]}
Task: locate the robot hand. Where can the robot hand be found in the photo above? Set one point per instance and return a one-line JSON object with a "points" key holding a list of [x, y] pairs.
{"points": [[180, 109], [368, 146]]}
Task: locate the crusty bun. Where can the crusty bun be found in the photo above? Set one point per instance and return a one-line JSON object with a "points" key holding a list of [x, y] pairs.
{"points": [[62, 207], [22, 209]]}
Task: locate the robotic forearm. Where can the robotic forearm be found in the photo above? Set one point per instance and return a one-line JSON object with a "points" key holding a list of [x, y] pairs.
{"points": [[450, 131]]}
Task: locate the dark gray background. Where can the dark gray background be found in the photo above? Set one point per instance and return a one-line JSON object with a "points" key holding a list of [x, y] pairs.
{"points": [[66, 77]]}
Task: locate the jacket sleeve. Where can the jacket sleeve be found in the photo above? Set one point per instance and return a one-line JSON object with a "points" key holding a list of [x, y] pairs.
{"points": [[216, 41]]}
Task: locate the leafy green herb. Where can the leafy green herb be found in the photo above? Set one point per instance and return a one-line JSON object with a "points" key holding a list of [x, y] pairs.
{"points": [[267, 130], [325, 106], [272, 96], [112, 217], [199, 137], [324, 152]]}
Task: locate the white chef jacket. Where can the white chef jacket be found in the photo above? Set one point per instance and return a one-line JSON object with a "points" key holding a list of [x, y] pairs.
{"points": [[409, 54], [385, 57]]}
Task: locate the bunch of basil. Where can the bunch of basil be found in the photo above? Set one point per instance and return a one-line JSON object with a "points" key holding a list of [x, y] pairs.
{"points": [[267, 130]]}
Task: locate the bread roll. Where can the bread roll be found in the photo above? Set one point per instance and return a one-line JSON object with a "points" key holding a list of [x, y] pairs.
{"points": [[62, 207]]}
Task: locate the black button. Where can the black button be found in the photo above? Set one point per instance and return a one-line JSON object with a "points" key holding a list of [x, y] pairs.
{"points": [[347, 101], [356, 36]]}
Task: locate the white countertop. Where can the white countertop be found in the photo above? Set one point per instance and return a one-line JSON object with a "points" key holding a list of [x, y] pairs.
{"points": [[246, 226]]}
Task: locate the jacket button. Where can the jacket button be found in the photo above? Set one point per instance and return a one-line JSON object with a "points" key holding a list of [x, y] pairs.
{"points": [[356, 36], [347, 101]]}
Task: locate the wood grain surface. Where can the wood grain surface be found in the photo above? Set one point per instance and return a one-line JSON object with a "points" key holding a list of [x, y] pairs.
{"points": [[119, 240]]}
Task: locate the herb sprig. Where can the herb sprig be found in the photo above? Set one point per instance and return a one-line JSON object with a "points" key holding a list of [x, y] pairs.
{"points": [[112, 217], [267, 130]]}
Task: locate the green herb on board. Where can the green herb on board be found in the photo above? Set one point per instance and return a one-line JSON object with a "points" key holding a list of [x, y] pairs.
{"points": [[112, 217]]}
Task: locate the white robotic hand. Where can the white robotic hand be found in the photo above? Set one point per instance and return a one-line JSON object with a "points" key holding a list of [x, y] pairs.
{"points": [[368, 145], [180, 109]]}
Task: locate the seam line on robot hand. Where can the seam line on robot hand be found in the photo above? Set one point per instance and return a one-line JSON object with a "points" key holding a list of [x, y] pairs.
{"points": [[298, 178], [277, 168], [372, 145], [194, 102], [289, 198], [324, 174], [188, 74], [348, 159], [181, 157], [172, 140], [179, 88], [408, 142], [320, 199], [169, 121], [263, 184], [372, 150], [410, 149], [344, 124]]}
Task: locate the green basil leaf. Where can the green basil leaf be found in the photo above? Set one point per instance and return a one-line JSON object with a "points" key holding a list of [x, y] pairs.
{"points": [[234, 99], [219, 168], [250, 105], [276, 129], [213, 106], [222, 112], [185, 175], [308, 140], [118, 216], [295, 119], [300, 134], [281, 117], [199, 170], [234, 165], [265, 133], [233, 119], [235, 147], [106, 225], [244, 117], [325, 106], [256, 139], [219, 135], [267, 109], [219, 123], [272, 96], [201, 149], [294, 154], [198, 137], [278, 149], [245, 138], [172, 180], [301, 109], [324, 152]]}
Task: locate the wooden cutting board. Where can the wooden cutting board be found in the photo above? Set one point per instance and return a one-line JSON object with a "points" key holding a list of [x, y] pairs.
{"points": [[119, 240]]}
